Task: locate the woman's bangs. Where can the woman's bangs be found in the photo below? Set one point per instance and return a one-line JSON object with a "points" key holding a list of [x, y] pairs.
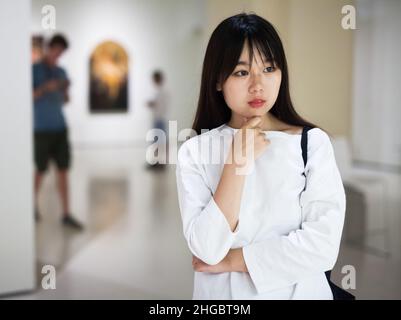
{"points": [[264, 50], [231, 56]]}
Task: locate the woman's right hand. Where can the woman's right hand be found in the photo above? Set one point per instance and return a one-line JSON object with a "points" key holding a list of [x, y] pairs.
{"points": [[249, 143]]}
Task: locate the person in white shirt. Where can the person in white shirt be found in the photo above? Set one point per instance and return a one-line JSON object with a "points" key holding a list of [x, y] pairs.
{"points": [[260, 224], [159, 106]]}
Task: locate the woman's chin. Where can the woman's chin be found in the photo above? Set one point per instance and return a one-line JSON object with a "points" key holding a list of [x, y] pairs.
{"points": [[257, 112]]}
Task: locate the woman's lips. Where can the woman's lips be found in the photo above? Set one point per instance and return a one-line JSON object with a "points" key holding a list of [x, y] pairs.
{"points": [[256, 103]]}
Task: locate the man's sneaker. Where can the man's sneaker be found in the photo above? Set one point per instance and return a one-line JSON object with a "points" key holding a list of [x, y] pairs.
{"points": [[69, 221]]}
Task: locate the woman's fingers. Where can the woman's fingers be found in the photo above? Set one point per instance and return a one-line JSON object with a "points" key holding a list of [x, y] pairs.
{"points": [[198, 265], [196, 261]]}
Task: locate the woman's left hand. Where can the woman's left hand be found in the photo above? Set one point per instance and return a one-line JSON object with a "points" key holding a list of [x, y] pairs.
{"points": [[222, 266]]}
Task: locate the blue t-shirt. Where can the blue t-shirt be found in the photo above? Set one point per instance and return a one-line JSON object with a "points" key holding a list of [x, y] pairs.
{"points": [[48, 114]]}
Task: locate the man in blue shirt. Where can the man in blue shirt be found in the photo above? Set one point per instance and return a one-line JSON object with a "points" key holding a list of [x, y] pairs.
{"points": [[50, 92]]}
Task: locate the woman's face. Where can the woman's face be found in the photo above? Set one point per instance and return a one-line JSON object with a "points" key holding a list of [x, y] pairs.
{"points": [[251, 91]]}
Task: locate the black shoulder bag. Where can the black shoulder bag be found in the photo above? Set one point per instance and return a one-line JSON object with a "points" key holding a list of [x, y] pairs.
{"points": [[338, 293]]}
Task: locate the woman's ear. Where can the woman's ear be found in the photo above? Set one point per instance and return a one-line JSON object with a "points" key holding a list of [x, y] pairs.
{"points": [[218, 87]]}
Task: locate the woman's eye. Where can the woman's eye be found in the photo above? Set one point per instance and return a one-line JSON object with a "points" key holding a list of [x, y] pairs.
{"points": [[241, 73], [269, 69]]}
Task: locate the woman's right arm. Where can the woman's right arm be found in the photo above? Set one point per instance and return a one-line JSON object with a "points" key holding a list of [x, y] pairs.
{"points": [[229, 190], [210, 220]]}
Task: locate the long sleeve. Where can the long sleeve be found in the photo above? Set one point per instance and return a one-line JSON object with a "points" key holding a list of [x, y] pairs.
{"points": [[205, 227], [283, 260]]}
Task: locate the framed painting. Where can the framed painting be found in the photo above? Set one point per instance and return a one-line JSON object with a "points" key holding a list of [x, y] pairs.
{"points": [[108, 79]]}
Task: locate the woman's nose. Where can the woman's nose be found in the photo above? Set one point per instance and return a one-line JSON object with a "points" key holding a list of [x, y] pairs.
{"points": [[256, 84]]}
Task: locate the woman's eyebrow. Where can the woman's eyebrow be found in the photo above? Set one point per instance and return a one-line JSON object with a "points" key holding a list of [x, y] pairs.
{"points": [[244, 63]]}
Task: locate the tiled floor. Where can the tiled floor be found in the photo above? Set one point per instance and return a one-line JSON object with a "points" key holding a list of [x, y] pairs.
{"points": [[133, 247]]}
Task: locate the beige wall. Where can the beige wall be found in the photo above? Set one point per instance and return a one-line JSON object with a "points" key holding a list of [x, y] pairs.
{"points": [[318, 50]]}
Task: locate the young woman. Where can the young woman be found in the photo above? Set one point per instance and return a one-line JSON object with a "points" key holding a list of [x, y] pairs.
{"points": [[273, 232]]}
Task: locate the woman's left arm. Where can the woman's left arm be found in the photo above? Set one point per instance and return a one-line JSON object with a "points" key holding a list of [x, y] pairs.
{"points": [[233, 262]]}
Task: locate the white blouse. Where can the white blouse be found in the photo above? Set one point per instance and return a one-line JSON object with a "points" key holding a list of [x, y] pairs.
{"points": [[290, 234]]}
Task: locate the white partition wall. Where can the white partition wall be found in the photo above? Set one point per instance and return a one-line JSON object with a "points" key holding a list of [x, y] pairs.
{"points": [[377, 77], [16, 209]]}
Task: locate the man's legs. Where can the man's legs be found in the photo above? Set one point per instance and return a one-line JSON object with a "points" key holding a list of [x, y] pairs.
{"points": [[162, 145], [62, 157], [41, 156], [62, 183], [37, 183]]}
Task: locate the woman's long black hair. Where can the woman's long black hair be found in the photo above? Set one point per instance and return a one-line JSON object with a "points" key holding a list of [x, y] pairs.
{"points": [[222, 55]]}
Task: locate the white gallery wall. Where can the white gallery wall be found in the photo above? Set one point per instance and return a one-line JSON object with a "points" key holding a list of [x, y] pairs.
{"points": [[376, 84], [156, 34], [16, 207]]}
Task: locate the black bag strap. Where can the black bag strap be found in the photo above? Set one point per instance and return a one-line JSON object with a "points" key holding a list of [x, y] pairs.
{"points": [[338, 293], [304, 143]]}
